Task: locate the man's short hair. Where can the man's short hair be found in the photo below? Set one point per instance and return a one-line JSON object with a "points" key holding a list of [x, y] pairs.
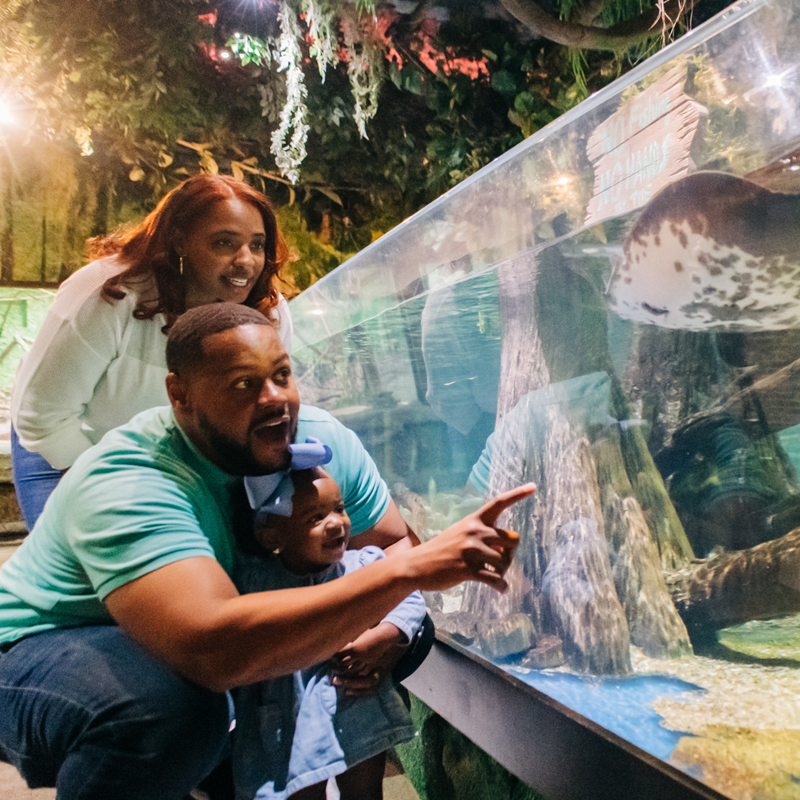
{"points": [[186, 336]]}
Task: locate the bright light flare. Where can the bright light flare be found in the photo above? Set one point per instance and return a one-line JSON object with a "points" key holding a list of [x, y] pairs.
{"points": [[7, 116], [776, 81]]}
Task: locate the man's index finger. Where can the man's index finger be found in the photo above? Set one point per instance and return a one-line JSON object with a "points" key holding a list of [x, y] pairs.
{"points": [[489, 513]]}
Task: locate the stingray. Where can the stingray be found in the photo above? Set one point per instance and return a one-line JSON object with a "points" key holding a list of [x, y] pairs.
{"points": [[712, 252]]}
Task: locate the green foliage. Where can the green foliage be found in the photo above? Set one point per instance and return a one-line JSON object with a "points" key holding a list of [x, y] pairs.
{"points": [[121, 66], [140, 95], [443, 764], [311, 258], [249, 49]]}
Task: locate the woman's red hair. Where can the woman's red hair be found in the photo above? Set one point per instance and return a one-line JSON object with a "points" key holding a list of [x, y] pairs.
{"points": [[149, 249]]}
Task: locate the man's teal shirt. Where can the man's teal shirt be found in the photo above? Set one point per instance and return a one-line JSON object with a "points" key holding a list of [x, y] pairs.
{"points": [[142, 498]]}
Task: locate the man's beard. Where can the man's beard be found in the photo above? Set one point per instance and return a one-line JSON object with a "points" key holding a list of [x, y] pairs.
{"points": [[236, 458]]}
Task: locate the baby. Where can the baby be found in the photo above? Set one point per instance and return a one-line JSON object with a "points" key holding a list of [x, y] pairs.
{"points": [[294, 732]]}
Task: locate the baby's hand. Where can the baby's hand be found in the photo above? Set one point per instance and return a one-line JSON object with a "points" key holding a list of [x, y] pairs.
{"points": [[360, 667]]}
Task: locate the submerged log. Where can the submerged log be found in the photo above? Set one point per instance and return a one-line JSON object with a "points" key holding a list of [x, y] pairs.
{"points": [[761, 582], [778, 394], [582, 598]]}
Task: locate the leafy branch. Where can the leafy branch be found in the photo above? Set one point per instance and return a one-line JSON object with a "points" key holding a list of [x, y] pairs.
{"points": [[620, 37]]}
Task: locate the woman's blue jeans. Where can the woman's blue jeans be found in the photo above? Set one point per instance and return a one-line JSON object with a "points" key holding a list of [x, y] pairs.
{"points": [[34, 480], [90, 712]]}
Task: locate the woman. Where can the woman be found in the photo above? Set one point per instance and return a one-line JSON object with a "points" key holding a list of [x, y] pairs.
{"points": [[99, 358]]}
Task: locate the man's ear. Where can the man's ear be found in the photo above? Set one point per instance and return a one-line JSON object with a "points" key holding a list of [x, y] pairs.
{"points": [[178, 392]]}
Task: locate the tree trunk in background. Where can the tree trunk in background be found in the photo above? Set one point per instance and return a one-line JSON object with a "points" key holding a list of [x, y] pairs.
{"points": [[515, 460], [557, 390], [7, 242]]}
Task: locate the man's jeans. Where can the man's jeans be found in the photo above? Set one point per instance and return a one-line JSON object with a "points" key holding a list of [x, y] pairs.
{"points": [[88, 711]]}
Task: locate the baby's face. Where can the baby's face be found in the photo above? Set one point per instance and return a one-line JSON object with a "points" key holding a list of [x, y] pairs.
{"points": [[317, 533]]}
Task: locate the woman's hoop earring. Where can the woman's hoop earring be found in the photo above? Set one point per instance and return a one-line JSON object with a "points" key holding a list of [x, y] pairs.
{"points": [[180, 265]]}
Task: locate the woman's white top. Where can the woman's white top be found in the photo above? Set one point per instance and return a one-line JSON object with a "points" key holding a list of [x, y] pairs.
{"points": [[93, 366]]}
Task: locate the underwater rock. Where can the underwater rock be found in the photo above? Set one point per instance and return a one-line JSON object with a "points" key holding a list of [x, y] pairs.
{"points": [[508, 637], [547, 654], [583, 601], [761, 582], [462, 626], [712, 252], [433, 601], [653, 622]]}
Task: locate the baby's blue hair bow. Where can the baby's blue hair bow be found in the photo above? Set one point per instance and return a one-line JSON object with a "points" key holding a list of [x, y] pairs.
{"points": [[272, 494]]}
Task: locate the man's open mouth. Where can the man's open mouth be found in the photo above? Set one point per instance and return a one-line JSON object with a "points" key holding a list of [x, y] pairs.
{"points": [[272, 423]]}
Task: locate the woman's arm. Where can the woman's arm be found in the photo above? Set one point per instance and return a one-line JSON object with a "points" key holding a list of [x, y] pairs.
{"points": [[78, 340]]}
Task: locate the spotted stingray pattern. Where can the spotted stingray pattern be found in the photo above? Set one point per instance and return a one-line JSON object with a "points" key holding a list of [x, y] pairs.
{"points": [[712, 252]]}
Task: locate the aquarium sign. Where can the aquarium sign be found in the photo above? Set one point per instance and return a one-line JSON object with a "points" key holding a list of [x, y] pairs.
{"points": [[642, 147]]}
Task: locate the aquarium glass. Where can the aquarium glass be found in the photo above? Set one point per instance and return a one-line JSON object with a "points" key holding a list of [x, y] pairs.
{"points": [[611, 310]]}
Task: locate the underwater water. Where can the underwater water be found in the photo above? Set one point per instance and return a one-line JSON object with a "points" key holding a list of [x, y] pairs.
{"points": [[611, 310], [731, 486]]}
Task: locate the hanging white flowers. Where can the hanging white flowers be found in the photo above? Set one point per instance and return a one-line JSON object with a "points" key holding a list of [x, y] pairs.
{"points": [[288, 143], [365, 70], [321, 21], [358, 47]]}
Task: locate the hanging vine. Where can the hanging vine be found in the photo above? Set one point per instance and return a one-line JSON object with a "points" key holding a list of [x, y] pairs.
{"points": [[288, 143], [333, 31], [364, 56], [360, 49], [321, 20]]}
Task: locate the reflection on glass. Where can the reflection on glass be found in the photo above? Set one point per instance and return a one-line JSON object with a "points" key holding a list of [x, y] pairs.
{"points": [[612, 310]]}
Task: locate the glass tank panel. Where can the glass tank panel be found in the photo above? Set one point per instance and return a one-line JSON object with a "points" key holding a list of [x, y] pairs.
{"points": [[611, 310]]}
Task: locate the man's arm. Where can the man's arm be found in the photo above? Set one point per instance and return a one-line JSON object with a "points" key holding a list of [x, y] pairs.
{"points": [[190, 615]]}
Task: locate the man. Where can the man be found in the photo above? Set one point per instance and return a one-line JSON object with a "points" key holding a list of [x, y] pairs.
{"points": [[139, 533]]}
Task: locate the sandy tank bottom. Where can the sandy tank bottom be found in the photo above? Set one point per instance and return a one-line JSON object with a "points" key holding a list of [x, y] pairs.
{"points": [[742, 725]]}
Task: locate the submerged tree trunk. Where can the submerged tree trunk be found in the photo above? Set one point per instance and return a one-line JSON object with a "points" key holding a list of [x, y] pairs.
{"points": [[535, 441], [761, 582], [515, 459]]}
